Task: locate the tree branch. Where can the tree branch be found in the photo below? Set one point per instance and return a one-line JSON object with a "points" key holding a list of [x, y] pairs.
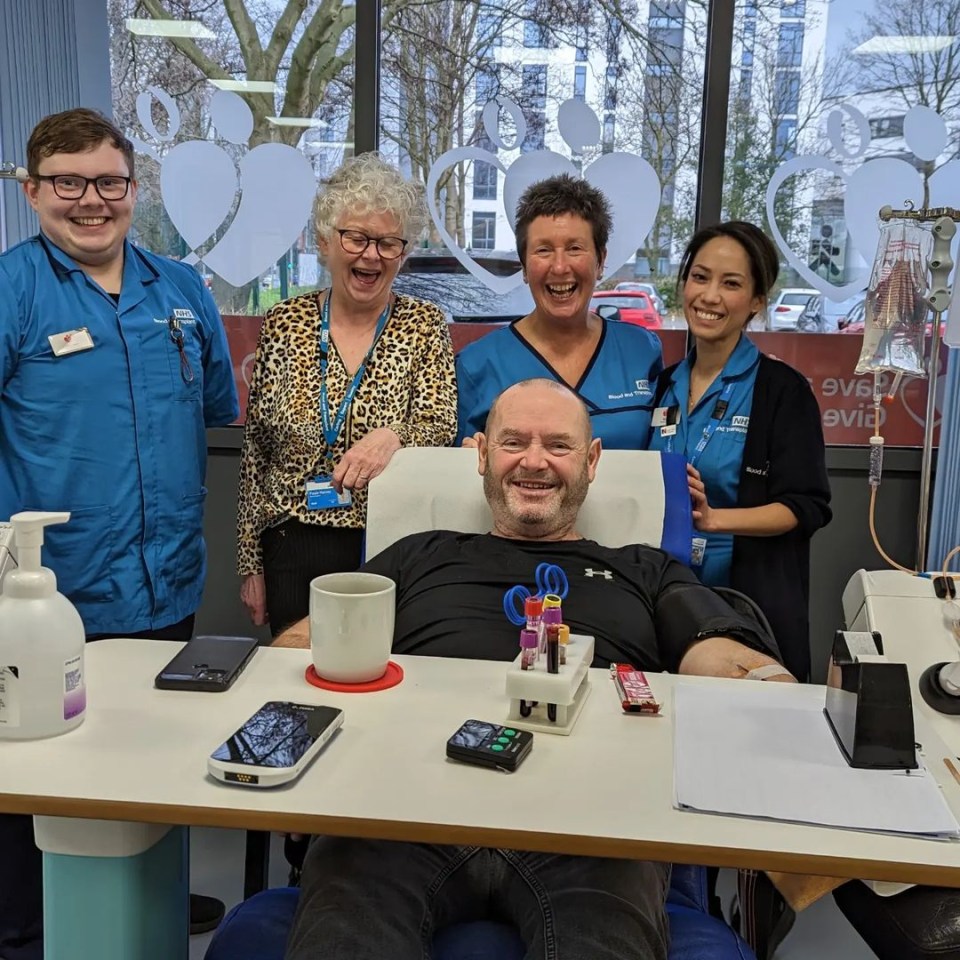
{"points": [[187, 46]]}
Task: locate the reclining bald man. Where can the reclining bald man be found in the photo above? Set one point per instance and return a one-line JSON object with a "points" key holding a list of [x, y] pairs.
{"points": [[537, 459]]}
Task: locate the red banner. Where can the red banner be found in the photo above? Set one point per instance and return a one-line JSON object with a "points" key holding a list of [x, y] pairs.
{"points": [[827, 361]]}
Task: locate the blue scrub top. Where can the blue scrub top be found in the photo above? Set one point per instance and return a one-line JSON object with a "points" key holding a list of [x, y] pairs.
{"points": [[720, 462], [617, 385], [113, 434]]}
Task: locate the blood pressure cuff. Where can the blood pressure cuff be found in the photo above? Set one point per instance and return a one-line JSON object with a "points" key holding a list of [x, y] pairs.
{"points": [[687, 612]]}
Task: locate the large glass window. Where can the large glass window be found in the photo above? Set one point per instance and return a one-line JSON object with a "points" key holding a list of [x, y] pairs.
{"points": [[645, 99], [202, 98], [836, 109]]}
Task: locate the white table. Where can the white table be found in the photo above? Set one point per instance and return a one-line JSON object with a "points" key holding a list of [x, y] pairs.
{"points": [[140, 759]]}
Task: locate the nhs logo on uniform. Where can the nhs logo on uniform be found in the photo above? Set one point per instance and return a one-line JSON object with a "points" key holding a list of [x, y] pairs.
{"points": [[739, 423], [184, 315], [643, 386]]}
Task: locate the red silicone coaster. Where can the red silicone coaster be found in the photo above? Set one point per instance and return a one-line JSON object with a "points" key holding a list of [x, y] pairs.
{"points": [[391, 678]]}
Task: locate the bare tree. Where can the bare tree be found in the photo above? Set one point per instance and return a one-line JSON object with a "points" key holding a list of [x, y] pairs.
{"points": [[926, 73], [775, 105], [302, 49]]}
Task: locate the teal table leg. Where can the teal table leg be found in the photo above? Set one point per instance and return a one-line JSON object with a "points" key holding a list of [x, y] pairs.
{"points": [[111, 907]]}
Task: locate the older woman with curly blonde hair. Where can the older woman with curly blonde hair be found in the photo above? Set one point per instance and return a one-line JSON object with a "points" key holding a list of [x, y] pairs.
{"points": [[343, 378]]}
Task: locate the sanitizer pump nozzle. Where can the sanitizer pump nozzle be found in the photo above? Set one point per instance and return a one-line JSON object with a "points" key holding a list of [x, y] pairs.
{"points": [[29, 579], [42, 689]]}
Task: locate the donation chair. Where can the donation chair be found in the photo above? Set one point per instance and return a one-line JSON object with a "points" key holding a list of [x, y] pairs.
{"points": [[637, 497]]}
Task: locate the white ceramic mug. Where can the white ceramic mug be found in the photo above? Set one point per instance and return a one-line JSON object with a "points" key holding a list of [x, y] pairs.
{"points": [[351, 625]]}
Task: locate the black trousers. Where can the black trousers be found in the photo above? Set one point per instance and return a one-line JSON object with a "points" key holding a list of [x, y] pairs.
{"points": [[21, 863], [293, 554]]}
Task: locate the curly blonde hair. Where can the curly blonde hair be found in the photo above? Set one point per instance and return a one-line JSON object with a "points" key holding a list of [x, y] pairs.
{"points": [[369, 184]]}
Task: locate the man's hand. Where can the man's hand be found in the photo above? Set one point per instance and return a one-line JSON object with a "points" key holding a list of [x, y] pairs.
{"points": [[726, 657], [296, 636], [366, 459], [253, 593]]}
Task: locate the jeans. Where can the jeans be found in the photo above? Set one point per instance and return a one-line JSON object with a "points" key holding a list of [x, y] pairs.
{"points": [[376, 899]]}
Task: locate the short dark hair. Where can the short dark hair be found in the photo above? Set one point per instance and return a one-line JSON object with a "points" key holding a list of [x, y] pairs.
{"points": [[759, 248], [74, 131], [564, 194]]}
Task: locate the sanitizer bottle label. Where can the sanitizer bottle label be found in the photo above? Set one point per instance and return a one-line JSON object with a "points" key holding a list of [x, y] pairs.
{"points": [[74, 689], [9, 696]]}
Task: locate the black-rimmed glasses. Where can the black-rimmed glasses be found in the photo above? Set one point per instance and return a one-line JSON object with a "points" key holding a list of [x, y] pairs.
{"points": [[355, 242], [73, 187]]}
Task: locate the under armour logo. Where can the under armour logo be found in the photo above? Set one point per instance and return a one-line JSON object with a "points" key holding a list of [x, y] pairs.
{"points": [[590, 572]]}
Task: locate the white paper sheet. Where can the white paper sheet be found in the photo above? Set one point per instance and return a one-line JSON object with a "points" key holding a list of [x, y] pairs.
{"points": [[769, 752]]}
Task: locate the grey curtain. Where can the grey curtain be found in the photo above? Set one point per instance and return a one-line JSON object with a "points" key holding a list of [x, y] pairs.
{"points": [[63, 64]]}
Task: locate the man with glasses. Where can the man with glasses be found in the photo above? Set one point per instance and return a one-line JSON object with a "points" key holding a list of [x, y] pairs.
{"points": [[113, 361]]}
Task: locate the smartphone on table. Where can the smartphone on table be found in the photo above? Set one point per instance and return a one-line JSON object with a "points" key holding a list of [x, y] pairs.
{"points": [[275, 745], [207, 663]]}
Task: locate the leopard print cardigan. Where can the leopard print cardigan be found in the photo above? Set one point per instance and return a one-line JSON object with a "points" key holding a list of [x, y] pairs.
{"points": [[409, 386]]}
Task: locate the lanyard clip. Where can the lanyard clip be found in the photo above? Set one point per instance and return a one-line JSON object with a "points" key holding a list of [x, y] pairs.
{"points": [[176, 335]]}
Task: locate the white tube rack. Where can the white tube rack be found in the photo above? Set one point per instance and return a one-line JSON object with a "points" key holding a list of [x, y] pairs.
{"points": [[568, 689]]}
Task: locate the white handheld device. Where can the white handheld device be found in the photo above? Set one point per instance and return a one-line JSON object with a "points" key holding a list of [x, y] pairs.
{"points": [[275, 745]]}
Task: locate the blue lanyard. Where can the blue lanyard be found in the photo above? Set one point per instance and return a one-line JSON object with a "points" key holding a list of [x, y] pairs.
{"points": [[331, 431], [719, 411]]}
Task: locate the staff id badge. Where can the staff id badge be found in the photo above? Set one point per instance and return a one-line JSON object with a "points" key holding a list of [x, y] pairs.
{"points": [[321, 495], [666, 418], [698, 547]]}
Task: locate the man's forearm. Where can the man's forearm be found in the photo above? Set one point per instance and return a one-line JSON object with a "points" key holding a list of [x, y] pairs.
{"points": [[296, 636], [726, 657]]}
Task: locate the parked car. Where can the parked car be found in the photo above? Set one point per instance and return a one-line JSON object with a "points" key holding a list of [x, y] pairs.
{"points": [[648, 288], [823, 315], [856, 321], [438, 276], [785, 311], [628, 306]]}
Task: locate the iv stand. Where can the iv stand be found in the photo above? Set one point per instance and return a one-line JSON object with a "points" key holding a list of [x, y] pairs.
{"points": [[945, 221], [10, 171]]}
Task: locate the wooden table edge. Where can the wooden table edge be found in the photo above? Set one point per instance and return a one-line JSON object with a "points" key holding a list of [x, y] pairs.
{"points": [[416, 832]]}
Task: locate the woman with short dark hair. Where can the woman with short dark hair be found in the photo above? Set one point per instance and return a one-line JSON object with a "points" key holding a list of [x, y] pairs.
{"points": [[563, 224]]}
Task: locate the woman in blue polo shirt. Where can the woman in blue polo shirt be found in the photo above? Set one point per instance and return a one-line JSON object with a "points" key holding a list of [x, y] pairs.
{"points": [[750, 429], [562, 227]]}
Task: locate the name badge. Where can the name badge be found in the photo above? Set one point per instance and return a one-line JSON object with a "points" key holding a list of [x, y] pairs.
{"points": [[321, 495], [665, 416], [698, 547], [668, 431], [70, 341]]}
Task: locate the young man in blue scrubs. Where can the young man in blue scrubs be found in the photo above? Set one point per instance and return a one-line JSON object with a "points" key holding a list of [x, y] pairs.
{"points": [[113, 362]]}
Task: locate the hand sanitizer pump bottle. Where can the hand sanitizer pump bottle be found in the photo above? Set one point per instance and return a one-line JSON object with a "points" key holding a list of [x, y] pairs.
{"points": [[42, 690]]}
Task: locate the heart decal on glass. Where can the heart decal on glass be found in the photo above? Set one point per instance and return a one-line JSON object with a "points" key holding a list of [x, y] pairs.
{"points": [[199, 185], [629, 182], [875, 183]]}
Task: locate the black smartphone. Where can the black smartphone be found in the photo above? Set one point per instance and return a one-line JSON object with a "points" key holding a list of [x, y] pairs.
{"points": [[207, 663], [490, 745]]}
